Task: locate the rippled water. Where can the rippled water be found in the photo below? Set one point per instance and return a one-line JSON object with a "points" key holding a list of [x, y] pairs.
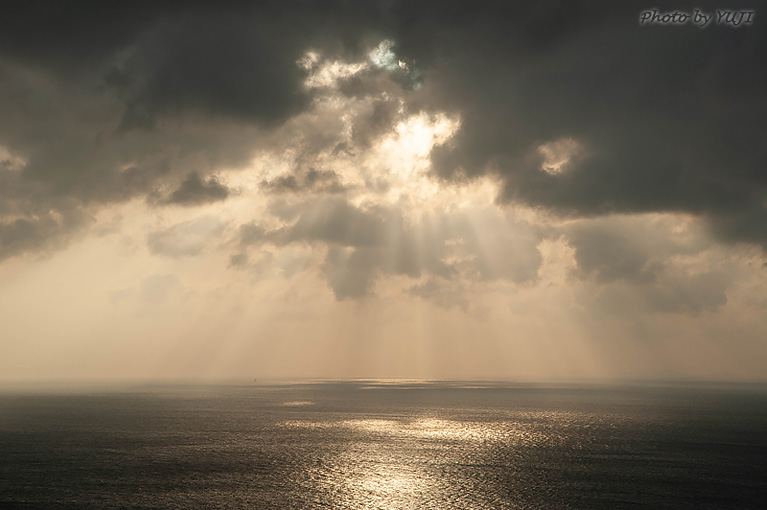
{"points": [[384, 445]]}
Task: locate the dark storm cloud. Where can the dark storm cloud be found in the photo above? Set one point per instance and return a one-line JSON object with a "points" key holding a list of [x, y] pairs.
{"points": [[44, 230], [71, 34], [106, 101], [746, 225], [671, 117], [24, 235], [195, 191], [215, 63]]}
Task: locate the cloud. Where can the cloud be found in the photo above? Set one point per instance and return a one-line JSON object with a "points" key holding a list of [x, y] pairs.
{"points": [[22, 235], [521, 172], [338, 222], [445, 293], [213, 62], [185, 239], [195, 191], [238, 260], [660, 135], [365, 243], [746, 225], [351, 272], [312, 181], [691, 294], [377, 120], [75, 164], [157, 289], [608, 256], [331, 221], [649, 263], [40, 232], [100, 104], [580, 112], [678, 292]]}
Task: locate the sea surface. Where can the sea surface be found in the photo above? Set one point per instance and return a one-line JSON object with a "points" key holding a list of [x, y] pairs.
{"points": [[384, 445]]}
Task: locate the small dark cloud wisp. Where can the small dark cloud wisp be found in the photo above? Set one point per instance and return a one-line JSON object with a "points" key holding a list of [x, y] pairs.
{"points": [[195, 191]]}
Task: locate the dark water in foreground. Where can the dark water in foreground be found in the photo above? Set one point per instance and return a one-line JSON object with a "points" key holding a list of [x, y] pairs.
{"points": [[385, 446]]}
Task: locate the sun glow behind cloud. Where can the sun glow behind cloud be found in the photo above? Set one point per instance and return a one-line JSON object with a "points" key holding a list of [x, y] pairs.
{"points": [[398, 161], [405, 154]]}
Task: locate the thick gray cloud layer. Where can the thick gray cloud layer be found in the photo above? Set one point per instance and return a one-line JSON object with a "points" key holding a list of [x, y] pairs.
{"points": [[110, 101], [670, 118]]}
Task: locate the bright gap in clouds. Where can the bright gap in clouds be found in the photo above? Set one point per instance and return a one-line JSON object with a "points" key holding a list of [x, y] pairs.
{"points": [[404, 155], [557, 155], [10, 161]]}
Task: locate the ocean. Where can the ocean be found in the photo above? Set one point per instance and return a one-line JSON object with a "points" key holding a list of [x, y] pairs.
{"points": [[385, 445]]}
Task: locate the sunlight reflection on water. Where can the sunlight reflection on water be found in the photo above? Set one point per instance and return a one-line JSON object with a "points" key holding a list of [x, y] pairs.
{"points": [[392, 464], [438, 429]]}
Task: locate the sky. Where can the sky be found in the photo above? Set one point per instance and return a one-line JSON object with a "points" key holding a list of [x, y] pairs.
{"points": [[531, 191]]}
